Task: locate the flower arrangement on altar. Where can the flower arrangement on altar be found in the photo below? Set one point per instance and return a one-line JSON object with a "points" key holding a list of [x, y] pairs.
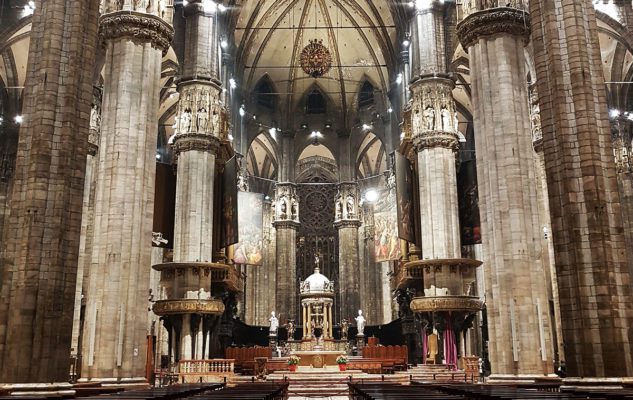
{"points": [[293, 360], [341, 360]]}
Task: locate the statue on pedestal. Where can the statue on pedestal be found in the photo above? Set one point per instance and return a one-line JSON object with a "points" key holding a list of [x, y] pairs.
{"points": [[344, 328], [290, 326], [274, 324], [360, 323]]}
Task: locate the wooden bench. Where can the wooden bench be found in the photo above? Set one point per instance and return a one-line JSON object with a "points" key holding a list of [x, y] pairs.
{"points": [[249, 391]]}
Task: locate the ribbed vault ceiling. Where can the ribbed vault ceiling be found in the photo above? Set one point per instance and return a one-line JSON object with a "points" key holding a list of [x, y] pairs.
{"points": [[360, 34]]}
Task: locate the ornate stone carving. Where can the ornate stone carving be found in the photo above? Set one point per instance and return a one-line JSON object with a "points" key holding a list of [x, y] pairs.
{"points": [[347, 203], [494, 21], [286, 203], [195, 142], [446, 303], [195, 306], [200, 110], [535, 119], [472, 6], [434, 139], [137, 27], [433, 115]]}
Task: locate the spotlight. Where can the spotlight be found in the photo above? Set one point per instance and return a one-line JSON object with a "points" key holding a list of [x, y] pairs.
{"points": [[399, 79], [406, 43], [242, 111], [614, 113], [224, 43], [18, 119], [232, 83], [366, 127], [371, 195]]}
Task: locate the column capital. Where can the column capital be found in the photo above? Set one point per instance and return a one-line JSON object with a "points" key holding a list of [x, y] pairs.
{"points": [[347, 204], [286, 205], [348, 223], [493, 21], [137, 27], [195, 142], [288, 224], [433, 115], [436, 139]]}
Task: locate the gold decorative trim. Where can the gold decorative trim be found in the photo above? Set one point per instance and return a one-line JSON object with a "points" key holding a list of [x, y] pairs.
{"points": [[169, 307], [137, 27], [446, 303], [493, 21]]}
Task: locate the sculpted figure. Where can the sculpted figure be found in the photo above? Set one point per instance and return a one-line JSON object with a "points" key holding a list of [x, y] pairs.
{"points": [[344, 328], [350, 207], [339, 210], [360, 323], [185, 121], [446, 119], [274, 323], [290, 326], [95, 118], [203, 120], [429, 118]]}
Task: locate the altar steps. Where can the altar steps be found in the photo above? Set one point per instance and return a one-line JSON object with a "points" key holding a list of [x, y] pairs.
{"points": [[433, 373]]}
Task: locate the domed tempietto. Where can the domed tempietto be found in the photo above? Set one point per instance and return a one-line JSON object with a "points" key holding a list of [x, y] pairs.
{"points": [[316, 199]]}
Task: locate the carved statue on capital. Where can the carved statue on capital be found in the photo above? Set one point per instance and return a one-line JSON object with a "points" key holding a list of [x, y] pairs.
{"points": [[286, 203]]}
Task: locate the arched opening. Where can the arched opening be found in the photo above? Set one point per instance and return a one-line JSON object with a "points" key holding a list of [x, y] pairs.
{"points": [[316, 103], [366, 95]]}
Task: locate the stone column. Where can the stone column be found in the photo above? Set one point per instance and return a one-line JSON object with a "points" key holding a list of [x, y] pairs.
{"points": [[547, 245], [199, 132], [41, 242], [347, 222], [593, 280], [435, 140], [495, 38], [115, 343], [87, 220], [286, 223]]}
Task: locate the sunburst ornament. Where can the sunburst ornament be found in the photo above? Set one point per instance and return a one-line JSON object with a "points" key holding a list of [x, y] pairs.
{"points": [[316, 59]]}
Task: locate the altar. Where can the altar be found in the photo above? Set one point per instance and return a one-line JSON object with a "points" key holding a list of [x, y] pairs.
{"points": [[317, 358]]}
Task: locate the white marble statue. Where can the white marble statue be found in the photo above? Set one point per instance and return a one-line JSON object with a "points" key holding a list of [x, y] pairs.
{"points": [[350, 207], [95, 118], [429, 117], [203, 120], [274, 323], [185, 122], [360, 323], [446, 119]]}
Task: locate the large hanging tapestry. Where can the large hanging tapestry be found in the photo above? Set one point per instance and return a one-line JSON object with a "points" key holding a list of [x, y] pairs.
{"points": [[229, 204], [404, 195], [387, 242], [250, 228]]}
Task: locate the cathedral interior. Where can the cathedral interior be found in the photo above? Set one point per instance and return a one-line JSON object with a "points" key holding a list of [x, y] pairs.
{"points": [[183, 182]]}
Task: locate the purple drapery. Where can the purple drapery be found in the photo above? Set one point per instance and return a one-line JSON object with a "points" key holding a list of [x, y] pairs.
{"points": [[425, 345], [450, 346]]}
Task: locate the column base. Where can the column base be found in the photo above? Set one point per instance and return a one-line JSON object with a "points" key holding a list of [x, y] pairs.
{"points": [[63, 389]]}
